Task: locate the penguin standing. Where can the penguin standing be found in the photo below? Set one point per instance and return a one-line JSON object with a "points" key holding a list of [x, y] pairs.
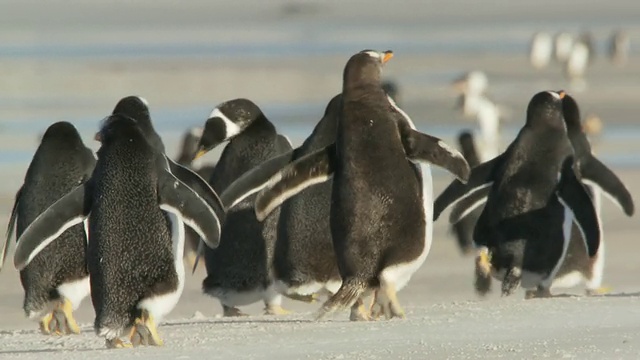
{"points": [[562, 46], [56, 281], [533, 197], [377, 215], [188, 151], [239, 270], [598, 179], [541, 50], [134, 255], [619, 46]]}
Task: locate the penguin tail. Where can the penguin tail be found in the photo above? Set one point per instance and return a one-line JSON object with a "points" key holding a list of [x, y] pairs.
{"points": [[350, 291], [482, 281]]}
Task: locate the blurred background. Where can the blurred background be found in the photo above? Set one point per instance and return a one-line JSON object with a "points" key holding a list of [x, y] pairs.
{"points": [[73, 60]]}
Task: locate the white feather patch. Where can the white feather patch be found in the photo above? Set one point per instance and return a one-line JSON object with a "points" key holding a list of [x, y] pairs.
{"points": [[231, 128]]}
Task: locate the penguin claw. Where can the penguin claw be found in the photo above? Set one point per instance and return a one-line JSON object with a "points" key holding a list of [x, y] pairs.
{"points": [[276, 310], [359, 312], [539, 293], [45, 324], [117, 344], [144, 331], [598, 291], [230, 311]]}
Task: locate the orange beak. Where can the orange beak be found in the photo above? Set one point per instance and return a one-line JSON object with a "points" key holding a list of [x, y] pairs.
{"points": [[561, 93], [387, 56]]}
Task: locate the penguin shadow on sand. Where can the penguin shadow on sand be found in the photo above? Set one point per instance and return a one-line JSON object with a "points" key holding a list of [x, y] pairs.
{"points": [[579, 254], [385, 182], [240, 270], [188, 150]]}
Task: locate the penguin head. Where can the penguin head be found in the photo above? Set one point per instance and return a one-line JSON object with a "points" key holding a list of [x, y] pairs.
{"points": [[136, 108], [545, 109], [119, 127], [61, 132], [364, 68], [465, 139], [571, 115], [226, 121]]}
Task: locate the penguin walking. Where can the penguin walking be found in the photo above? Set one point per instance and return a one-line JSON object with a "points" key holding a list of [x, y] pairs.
{"points": [[56, 281], [134, 253], [598, 179], [533, 198], [463, 229], [240, 270], [377, 215], [188, 150]]}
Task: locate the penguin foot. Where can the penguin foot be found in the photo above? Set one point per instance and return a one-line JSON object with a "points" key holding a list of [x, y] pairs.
{"points": [[48, 324], [71, 326], [359, 312], [598, 291], [232, 311], [276, 310], [116, 344], [482, 283], [539, 293], [511, 281], [144, 331], [304, 298], [60, 320], [387, 300]]}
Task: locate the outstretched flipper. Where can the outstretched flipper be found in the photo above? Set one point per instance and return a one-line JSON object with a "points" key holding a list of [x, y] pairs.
{"points": [[177, 197], [595, 173], [10, 229], [309, 170], [255, 179], [427, 148], [191, 179], [70, 210], [574, 197], [465, 206], [481, 177]]}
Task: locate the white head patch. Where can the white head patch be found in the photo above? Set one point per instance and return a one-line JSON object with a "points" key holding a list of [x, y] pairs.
{"points": [[554, 94], [144, 101], [231, 128], [374, 54]]}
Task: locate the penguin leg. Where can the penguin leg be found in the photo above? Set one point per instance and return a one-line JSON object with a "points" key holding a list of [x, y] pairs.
{"points": [[153, 330], [375, 309], [540, 292], [71, 326], [145, 331], [594, 273], [273, 302], [47, 322], [232, 311], [388, 299], [511, 281], [482, 282], [359, 312], [116, 344]]}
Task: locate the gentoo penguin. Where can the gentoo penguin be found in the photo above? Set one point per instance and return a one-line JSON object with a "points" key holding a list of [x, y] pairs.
{"points": [[188, 150], [56, 281], [239, 270], [134, 253], [472, 82], [534, 196], [598, 179], [463, 229], [562, 46], [377, 215], [577, 63], [619, 45], [541, 50]]}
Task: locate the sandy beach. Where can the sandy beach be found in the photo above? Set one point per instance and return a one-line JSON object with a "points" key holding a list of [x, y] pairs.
{"points": [[74, 60]]}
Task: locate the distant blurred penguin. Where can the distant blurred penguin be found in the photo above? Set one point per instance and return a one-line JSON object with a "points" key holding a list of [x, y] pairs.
{"points": [[541, 50], [473, 82], [619, 45], [562, 47], [586, 37]]}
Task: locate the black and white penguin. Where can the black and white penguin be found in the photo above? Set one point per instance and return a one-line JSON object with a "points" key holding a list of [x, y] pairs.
{"points": [[56, 281], [463, 229], [188, 150], [376, 195], [534, 196], [618, 47], [239, 270], [134, 253], [541, 49], [599, 180]]}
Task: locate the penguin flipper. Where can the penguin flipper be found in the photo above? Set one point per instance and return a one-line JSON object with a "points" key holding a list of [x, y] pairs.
{"points": [[427, 148], [10, 229], [255, 179], [311, 169], [68, 211], [574, 197], [191, 179], [595, 173], [465, 206], [481, 177], [182, 200]]}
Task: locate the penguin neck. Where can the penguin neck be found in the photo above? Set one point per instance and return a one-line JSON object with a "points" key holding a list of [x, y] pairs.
{"points": [[260, 127]]}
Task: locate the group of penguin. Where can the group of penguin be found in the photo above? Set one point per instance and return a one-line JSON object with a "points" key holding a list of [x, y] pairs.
{"points": [[347, 214], [576, 53]]}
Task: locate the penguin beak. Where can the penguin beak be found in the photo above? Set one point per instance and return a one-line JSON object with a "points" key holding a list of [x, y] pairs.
{"points": [[201, 151], [97, 137], [561, 93], [386, 56]]}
